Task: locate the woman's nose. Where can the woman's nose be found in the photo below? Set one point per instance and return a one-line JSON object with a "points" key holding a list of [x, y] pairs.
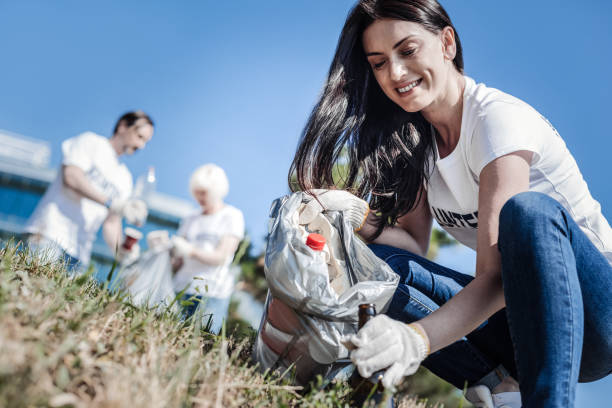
{"points": [[397, 70]]}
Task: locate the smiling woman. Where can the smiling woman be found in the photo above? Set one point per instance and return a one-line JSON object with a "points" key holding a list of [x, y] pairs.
{"points": [[424, 140], [382, 138]]}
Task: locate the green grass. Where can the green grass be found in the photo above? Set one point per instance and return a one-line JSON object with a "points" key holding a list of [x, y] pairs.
{"points": [[70, 342]]}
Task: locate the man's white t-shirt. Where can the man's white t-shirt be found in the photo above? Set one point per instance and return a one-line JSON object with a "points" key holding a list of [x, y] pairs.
{"points": [[205, 231], [494, 124], [69, 219]]}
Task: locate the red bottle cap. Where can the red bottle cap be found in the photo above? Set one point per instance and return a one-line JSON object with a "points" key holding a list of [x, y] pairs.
{"points": [[315, 241]]}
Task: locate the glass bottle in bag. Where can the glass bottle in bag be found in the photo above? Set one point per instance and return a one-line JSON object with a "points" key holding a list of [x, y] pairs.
{"points": [[369, 387]]}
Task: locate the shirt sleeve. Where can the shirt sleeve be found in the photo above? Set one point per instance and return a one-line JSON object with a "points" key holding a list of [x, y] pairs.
{"points": [[235, 224], [503, 129], [78, 151]]}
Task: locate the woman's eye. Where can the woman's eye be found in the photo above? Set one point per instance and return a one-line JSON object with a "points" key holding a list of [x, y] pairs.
{"points": [[408, 52], [378, 65]]}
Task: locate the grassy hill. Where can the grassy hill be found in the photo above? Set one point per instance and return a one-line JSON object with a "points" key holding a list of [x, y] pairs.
{"points": [[70, 342]]}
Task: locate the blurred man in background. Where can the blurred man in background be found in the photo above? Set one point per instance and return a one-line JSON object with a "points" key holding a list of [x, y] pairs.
{"points": [[92, 189]]}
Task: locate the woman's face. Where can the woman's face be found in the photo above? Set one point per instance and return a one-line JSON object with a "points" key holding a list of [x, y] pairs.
{"points": [[410, 63], [205, 199]]}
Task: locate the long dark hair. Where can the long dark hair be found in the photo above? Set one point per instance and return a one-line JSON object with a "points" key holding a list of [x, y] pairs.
{"points": [[387, 149]]}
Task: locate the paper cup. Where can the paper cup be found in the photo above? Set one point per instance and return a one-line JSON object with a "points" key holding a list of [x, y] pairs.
{"points": [[131, 237]]}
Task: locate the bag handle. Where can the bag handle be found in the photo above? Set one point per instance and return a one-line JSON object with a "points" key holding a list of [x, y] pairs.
{"points": [[349, 265]]}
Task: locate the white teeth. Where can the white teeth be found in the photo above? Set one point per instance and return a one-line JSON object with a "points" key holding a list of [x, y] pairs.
{"points": [[409, 86]]}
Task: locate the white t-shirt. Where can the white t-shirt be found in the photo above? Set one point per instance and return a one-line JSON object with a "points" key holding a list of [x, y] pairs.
{"points": [[66, 217], [494, 124], [205, 231]]}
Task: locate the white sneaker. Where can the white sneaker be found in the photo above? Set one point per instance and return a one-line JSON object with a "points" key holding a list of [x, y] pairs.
{"points": [[481, 397]]}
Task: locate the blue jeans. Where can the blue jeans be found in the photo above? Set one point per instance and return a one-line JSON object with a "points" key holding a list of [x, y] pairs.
{"points": [[213, 311], [423, 287], [558, 290], [557, 324]]}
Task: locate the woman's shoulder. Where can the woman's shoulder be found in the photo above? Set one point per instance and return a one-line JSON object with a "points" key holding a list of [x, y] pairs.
{"points": [[191, 217], [496, 123], [486, 104], [227, 211], [231, 211]]}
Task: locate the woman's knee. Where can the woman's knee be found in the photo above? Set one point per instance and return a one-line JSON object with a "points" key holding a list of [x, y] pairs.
{"points": [[523, 215], [524, 228], [526, 207]]}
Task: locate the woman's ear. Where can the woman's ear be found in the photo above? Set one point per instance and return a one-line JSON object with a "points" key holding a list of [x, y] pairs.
{"points": [[449, 45]]}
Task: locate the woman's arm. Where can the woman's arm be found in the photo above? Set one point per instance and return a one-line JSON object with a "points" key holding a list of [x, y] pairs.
{"points": [[412, 231], [218, 256], [501, 179]]}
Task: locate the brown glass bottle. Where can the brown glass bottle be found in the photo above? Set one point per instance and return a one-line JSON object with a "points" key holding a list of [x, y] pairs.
{"points": [[368, 387], [365, 313]]}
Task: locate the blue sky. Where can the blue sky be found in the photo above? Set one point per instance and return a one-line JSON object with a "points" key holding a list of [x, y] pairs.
{"points": [[233, 82]]}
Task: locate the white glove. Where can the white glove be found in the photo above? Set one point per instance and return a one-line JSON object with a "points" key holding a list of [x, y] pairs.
{"points": [[182, 247], [353, 207], [384, 343], [127, 256], [158, 239], [133, 210]]}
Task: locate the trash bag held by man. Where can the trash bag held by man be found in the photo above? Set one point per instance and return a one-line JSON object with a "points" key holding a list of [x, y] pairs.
{"points": [[314, 296]]}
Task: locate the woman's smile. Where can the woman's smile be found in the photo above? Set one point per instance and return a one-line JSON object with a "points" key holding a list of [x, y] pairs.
{"points": [[408, 88]]}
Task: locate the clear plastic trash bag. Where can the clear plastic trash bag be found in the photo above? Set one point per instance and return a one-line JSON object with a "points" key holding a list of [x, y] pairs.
{"points": [[305, 318], [148, 279]]}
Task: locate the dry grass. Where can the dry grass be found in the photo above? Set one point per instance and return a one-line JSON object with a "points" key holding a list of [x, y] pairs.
{"points": [[70, 342]]}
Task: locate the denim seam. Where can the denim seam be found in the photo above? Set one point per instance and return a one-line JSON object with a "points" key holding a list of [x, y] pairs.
{"points": [[421, 304], [417, 301], [571, 317], [397, 255]]}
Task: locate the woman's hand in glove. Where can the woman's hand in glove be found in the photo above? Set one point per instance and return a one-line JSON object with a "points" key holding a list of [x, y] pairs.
{"points": [[182, 247], [384, 343], [354, 208]]}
